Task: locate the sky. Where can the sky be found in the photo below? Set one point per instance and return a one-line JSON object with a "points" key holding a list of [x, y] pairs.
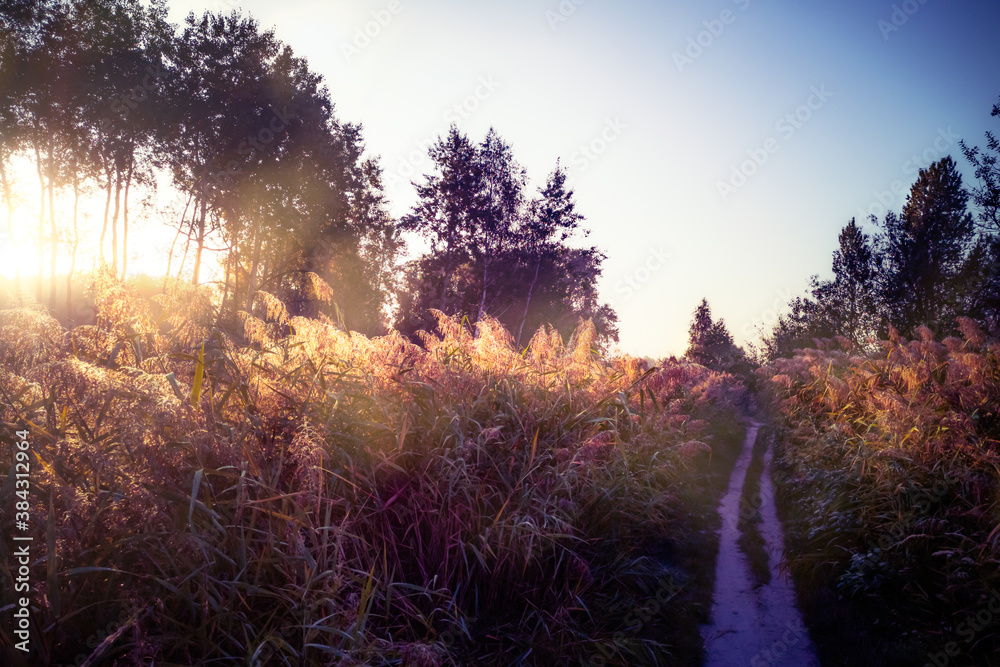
{"points": [[715, 148]]}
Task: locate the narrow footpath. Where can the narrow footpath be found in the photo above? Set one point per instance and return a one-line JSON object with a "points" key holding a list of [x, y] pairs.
{"points": [[753, 626]]}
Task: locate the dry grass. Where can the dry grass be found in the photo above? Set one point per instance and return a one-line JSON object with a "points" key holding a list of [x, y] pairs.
{"points": [[291, 493], [891, 476]]}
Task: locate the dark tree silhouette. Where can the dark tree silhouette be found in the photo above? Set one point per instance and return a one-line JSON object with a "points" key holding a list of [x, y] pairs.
{"points": [[494, 252], [925, 250], [268, 169], [986, 195], [848, 304], [983, 268], [710, 343]]}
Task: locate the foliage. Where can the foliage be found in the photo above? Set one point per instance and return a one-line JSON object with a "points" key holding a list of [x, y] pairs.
{"points": [[289, 492], [890, 473], [983, 300], [105, 95], [925, 249], [495, 252], [711, 345], [986, 194], [926, 267], [851, 300]]}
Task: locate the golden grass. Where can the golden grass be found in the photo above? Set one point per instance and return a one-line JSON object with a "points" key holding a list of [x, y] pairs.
{"points": [[250, 496]]}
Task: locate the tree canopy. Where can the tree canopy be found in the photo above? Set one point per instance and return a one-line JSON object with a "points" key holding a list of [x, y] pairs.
{"points": [[495, 252], [924, 266], [710, 343]]}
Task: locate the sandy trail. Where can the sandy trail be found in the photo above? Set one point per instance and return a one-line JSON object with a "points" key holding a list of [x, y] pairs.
{"points": [[753, 627]]}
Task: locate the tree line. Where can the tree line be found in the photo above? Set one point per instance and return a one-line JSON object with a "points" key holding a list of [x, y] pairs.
{"points": [[935, 260], [105, 97]]}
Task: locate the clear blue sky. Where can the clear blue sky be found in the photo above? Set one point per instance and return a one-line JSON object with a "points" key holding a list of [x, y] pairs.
{"points": [[833, 99]]}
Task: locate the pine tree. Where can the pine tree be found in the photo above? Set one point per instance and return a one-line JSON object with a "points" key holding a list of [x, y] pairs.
{"points": [[710, 343], [925, 249], [848, 304]]}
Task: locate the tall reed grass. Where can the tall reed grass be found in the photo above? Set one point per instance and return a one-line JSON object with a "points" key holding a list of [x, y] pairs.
{"points": [[891, 480], [286, 492]]}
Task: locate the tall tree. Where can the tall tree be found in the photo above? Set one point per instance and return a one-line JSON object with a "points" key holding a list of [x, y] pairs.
{"points": [[925, 250], [273, 176], [216, 104], [986, 194], [551, 221], [849, 303], [984, 261], [492, 251], [710, 343]]}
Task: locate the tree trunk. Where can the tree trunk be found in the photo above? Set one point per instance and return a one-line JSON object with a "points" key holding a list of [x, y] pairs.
{"points": [[527, 304], [107, 210], [41, 224], [114, 221], [10, 219], [128, 184], [180, 228], [187, 247], [54, 254], [76, 244], [482, 298], [200, 240], [225, 290], [254, 265], [7, 198]]}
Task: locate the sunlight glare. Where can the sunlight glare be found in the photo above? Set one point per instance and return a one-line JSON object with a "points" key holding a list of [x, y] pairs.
{"points": [[17, 258]]}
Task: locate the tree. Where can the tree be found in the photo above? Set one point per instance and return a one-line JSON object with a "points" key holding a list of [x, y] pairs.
{"points": [[63, 73], [984, 260], [493, 251], [986, 196], [710, 343], [216, 103], [848, 304], [551, 221], [925, 250], [251, 139], [806, 321], [122, 68]]}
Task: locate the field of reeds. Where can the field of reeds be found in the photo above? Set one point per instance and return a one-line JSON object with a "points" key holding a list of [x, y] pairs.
{"points": [[889, 474], [283, 492]]}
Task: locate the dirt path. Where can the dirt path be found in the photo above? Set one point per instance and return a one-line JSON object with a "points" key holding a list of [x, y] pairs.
{"points": [[753, 627]]}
